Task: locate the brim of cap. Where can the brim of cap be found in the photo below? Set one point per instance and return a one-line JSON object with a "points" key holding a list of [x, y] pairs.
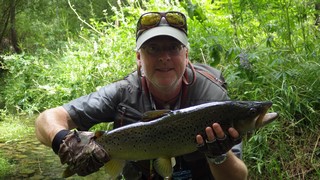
{"points": [[162, 31]]}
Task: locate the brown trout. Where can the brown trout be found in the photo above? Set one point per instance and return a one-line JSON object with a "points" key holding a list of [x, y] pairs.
{"points": [[173, 133]]}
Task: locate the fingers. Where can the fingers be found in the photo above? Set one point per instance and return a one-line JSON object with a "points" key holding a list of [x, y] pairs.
{"points": [[216, 142], [210, 134], [233, 133], [199, 139], [217, 132]]}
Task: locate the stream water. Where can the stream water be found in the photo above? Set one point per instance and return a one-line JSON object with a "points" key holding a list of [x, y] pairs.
{"points": [[32, 160]]}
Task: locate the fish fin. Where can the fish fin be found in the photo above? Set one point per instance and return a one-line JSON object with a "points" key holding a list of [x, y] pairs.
{"points": [[114, 167], [98, 134], [173, 161], [163, 166], [151, 115]]}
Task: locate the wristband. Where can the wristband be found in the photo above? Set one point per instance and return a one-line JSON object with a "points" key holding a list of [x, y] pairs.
{"points": [[57, 140], [218, 159]]}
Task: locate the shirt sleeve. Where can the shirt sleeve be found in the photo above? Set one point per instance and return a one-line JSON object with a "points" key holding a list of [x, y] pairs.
{"points": [[94, 108]]}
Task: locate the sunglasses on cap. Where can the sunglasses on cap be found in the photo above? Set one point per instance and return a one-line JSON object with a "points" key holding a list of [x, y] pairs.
{"points": [[153, 19]]}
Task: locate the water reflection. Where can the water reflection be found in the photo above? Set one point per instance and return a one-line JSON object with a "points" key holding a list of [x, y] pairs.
{"points": [[32, 160]]}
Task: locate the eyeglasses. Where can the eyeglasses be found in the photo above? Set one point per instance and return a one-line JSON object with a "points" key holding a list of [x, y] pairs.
{"points": [[153, 19], [154, 49]]}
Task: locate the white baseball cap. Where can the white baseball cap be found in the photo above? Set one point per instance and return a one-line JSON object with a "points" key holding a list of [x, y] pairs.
{"points": [[163, 29]]}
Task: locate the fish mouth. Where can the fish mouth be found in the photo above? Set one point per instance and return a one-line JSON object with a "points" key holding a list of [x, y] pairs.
{"points": [[269, 117], [265, 118]]}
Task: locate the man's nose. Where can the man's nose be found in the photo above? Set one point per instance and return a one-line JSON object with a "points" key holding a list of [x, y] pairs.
{"points": [[164, 54]]}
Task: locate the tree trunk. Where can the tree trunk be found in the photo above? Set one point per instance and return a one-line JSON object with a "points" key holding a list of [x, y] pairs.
{"points": [[13, 33], [4, 20], [317, 14]]}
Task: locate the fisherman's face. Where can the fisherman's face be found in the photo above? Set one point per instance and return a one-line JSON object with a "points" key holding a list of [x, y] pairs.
{"points": [[163, 61]]}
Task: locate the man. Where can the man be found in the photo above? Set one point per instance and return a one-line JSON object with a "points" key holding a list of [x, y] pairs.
{"points": [[165, 79]]}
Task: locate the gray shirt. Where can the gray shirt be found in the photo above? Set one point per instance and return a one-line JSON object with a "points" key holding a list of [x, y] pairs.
{"points": [[124, 102]]}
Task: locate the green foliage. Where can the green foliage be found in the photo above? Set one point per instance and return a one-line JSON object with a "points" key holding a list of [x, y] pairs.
{"points": [[267, 50], [47, 80], [5, 167], [12, 128]]}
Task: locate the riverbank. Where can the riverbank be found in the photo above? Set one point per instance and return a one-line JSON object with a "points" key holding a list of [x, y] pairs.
{"points": [[26, 156]]}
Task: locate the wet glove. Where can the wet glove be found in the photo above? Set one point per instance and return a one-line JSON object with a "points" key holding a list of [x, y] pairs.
{"points": [[81, 152], [218, 147]]}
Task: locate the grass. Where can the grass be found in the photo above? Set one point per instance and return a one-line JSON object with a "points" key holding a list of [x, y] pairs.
{"points": [[12, 129], [5, 167], [258, 58]]}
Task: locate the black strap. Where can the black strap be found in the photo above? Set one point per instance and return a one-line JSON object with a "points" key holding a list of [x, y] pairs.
{"points": [[57, 140], [212, 78]]}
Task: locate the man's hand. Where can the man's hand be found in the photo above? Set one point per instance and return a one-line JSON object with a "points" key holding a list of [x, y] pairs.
{"points": [[81, 152], [217, 142]]}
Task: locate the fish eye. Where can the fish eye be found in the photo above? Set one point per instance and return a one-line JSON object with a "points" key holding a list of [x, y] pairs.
{"points": [[252, 110]]}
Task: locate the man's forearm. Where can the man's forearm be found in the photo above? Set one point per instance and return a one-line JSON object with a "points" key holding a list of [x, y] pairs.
{"points": [[50, 122], [232, 168]]}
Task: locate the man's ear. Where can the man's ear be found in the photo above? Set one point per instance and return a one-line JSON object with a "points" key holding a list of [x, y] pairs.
{"points": [[138, 60], [187, 55]]}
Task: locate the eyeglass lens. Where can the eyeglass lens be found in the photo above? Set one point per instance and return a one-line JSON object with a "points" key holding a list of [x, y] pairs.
{"points": [[172, 49]]}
